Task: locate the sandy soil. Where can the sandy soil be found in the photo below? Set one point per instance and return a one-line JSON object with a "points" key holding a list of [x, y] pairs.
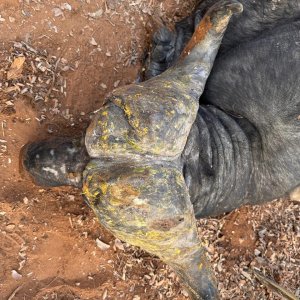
{"points": [[75, 53]]}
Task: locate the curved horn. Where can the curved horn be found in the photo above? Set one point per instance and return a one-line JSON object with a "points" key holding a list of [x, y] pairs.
{"points": [[139, 192], [197, 58], [148, 205], [155, 117]]}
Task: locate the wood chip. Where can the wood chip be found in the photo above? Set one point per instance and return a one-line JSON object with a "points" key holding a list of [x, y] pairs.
{"points": [[104, 296], [16, 68], [116, 83], [97, 14]]}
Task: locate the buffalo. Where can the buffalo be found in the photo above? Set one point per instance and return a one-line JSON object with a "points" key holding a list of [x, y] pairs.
{"points": [[215, 126]]}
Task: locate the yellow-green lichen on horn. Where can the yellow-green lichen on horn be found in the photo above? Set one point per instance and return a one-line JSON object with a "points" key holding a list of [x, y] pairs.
{"points": [[135, 185], [152, 118], [155, 117], [137, 205]]}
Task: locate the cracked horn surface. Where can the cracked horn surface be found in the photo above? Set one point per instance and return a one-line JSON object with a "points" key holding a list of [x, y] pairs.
{"points": [[142, 119], [137, 188]]}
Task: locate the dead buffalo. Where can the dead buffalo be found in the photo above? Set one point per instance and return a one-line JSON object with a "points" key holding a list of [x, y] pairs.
{"points": [[154, 158]]}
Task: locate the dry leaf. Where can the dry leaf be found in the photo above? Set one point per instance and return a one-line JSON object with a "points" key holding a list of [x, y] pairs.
{"points": [[16, 68]]}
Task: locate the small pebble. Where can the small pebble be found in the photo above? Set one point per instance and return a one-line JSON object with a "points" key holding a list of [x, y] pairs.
{"points": [[116, 83], [66, 6], [102, 245], [93, 42], [103, 85], [57, 12], [256, 252], [10, 227], [15, 275]]}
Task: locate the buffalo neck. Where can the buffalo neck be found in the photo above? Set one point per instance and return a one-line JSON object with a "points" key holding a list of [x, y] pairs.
{"points": [[218, 162]]}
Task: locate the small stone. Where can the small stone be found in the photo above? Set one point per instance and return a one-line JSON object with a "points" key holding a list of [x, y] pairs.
{"points": [[15, 275], [57, 12], [10, 227], [103, 85], [71, 197], [11, 19], [66, 6], [295, 195], [9, 103], [102, 245], [256, 252], [93, 42]]}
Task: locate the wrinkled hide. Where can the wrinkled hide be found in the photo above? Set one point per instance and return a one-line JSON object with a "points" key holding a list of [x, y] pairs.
{"points": [[257, 17], [251, 127], [244, 146]]}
